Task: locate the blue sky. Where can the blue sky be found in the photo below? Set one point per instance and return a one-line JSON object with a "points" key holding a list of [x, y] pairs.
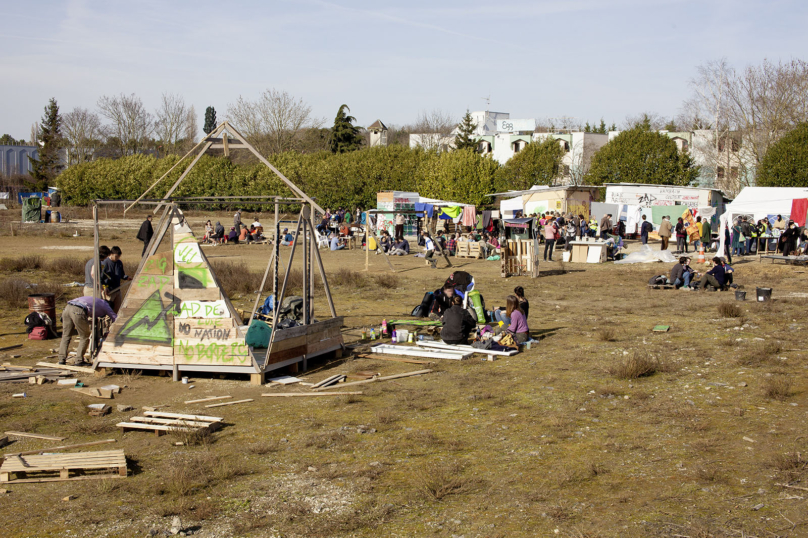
{"points": [[581, 58]]}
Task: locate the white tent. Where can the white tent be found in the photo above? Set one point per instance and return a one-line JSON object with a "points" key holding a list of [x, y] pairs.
{"points": [[510, 206], [759, 203]]}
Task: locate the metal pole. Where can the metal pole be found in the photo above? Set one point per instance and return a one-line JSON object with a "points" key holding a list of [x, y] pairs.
{"points": [[96, 281], [277, 248]]}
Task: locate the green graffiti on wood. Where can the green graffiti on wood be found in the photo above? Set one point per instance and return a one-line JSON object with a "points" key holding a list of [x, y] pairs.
{"points": [[190, 278], [221, 353], [149, 325]]}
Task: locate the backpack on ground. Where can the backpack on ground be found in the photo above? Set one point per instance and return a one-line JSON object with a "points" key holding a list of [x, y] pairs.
{"points": [[657, 280], [38, 333], [423, 309], [291, 308]]}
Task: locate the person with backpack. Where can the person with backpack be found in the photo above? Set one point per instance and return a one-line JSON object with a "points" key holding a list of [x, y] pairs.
{"points": [[645, 229], [76, 320]]}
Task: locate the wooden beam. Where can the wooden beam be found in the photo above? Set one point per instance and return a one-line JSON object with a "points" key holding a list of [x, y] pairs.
{"points": [[212, 398], [65, 447], [82, 369], [182, 176], [383, 378], [306, 394], [230, 403], [261, 158], [36, 436]]}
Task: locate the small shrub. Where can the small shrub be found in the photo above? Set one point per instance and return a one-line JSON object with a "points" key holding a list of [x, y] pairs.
{"points": [[200, 437], [606, 334], [634, 366], [759, 353], [348, 278], [235, 277], [66, 266], [29, 262], [386, 416], [264, 446], [386, 280], [729, 310], [14, 292], [777, 387], [437, 480]]}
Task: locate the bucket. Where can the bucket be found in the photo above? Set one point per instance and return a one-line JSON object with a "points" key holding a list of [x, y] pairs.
{"points": [[565, 256], [740, 295], [764, 294], [402, 335], [44, 303], [56, 216]]}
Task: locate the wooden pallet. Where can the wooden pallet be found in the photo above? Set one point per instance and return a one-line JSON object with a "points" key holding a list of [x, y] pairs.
{"points": [[72, 466], [468, 249], [161, 423]]}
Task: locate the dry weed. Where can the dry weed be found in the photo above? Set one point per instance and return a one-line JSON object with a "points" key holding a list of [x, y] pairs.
{"points": [[606, 334], [29, 262], [634, 366], [729, 310], [759, 353], [437, 480], [14, 292], [201, 437], [265, 446], [777, 387], [67, 266]]}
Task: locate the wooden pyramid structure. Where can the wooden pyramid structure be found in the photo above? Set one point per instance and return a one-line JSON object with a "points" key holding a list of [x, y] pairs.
{"points": [[175, 315]]}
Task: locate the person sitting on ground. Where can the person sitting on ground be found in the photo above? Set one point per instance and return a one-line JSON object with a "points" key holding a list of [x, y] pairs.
{"points": [[385, 242], [518, 326], [89, 270], [75, 321], [519, 291], [429, 249], [728, 272], [457, 323], [401, 248], [256, 234], [442, 301], [218, 233], [232, 237], [208, 237], [334, 243], [287, 238], [715, 277], [112, 276], [682, 274], [244, 235], [257, 224]]}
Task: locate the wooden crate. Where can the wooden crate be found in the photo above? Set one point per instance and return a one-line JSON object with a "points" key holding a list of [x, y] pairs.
{"points": [[468, 249], [60, 467], [517, 258]]}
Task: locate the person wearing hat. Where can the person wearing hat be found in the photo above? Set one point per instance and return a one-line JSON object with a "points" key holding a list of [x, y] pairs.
{"points": [[682, 274]]}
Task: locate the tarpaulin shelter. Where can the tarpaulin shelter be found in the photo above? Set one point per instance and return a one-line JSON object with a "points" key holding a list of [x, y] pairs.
{"points": [[760, 203]]}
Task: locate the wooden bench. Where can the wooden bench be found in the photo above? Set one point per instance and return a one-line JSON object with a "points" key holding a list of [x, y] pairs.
{"points": [[41, 468]]}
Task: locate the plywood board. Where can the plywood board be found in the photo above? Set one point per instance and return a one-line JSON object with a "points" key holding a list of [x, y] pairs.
{"points": [[161, 263], [203, 309], [193, 276], [143, 286], [189, 325], [198, 294]]}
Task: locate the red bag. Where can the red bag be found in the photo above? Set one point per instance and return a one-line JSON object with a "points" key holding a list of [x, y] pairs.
{"points": [[38, 333]]}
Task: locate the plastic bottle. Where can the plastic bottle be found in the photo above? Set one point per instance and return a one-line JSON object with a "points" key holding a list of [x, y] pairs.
{"points": [[410, 339], [384, 327], [394, 337], [364, 333], [372, 333]]}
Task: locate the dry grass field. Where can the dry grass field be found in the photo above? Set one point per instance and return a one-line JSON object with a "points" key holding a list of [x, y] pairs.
{"points": [[603, 429]]}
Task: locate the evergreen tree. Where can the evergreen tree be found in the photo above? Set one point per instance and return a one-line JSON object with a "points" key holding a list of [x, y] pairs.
{"points": [[613, 127], [786, 162], [640, 155], [587, 128], [8, 140], [45, 169], [344, 136], [671, 126], [210, 120], [537, 164], [465, 133], [602, 128]]}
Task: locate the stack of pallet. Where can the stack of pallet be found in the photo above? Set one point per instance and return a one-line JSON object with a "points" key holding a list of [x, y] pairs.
{"points": [[468, 249], [59, 467], [160, 423]]}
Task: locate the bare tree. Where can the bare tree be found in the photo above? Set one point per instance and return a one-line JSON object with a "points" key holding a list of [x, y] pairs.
{"points": [[191, 127], [83, 134], [172, 119], [651, 119], [433, 130], [130, 126], [273, 123], [34, 141]]}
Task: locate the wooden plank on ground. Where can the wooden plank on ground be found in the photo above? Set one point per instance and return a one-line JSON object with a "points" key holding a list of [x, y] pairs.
{"points": [[383, 378], [201, 418], [373, 357], [306, 394], [96, 393], [36, 436], [230, 403], [82, 369], [64, 447], [210, 399]]}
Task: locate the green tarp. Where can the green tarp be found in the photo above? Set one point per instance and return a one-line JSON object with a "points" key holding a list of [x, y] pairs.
{"points": [[32, 209]]}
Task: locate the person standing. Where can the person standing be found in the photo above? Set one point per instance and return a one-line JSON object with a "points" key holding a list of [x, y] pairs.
{"points": [[550, 235], [748, 234], [399, 226], [681, 235], [113, 274], [645, 228], [697, 241], [727, 245], [606, 226], [145, 234], [237, 224], [665, 231], [706, 234], [75, 320], [89, 270], [789, 238]]}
